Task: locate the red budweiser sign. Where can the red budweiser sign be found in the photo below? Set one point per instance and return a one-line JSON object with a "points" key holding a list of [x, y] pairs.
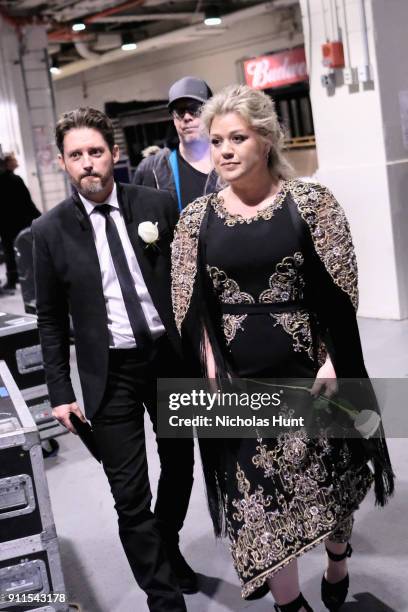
{"points": [[277, 69]]}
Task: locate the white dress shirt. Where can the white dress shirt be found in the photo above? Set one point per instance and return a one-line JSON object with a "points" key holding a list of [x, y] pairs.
{"points": [[120, 331]]}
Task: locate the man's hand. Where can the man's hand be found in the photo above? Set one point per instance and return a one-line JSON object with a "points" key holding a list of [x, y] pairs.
{"points": [[326, 381], [62, 412]]}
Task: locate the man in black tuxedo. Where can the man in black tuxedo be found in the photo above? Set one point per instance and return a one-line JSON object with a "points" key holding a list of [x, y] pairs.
{"points": [[93, 260]]}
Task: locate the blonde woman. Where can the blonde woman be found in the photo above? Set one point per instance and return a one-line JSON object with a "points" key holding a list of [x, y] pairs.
{"points": [[262, 272]]}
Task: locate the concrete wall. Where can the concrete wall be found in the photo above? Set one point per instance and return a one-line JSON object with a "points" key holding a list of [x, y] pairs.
{"points": [[41, 114], [391, 44], [26, 114], [15, 133], [356, 129]]}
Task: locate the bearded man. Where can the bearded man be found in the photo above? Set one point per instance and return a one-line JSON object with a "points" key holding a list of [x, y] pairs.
{"points": [[91, 261]]}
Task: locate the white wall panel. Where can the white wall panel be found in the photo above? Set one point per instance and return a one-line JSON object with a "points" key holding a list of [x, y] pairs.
{"points": [[357, 128]]}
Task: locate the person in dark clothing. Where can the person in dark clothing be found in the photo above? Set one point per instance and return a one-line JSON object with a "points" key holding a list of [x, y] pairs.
{"points": [[90, 260], [18, 212], [265, 287], [187, 171]]}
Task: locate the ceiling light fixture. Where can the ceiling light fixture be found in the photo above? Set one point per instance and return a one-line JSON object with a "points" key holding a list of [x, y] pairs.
{"points": [[212, 16], [78, 27], [54, 68], [128, 43]]}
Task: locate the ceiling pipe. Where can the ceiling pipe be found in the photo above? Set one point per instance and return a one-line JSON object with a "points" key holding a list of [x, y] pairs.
{"points": [[54, 48], [85, 52], [114, 10], [149, 17], [67, 35], [181, 35], [105, 41]]}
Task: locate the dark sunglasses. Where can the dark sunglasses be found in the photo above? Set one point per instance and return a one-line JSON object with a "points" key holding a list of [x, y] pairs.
{"points": [[179, 112]]}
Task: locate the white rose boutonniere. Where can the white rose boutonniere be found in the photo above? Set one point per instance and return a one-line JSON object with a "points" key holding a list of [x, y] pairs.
{"points": [[149, 233]]}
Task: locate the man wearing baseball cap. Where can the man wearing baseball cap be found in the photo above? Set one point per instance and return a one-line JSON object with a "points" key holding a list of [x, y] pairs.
{"points": [[187, 171]]}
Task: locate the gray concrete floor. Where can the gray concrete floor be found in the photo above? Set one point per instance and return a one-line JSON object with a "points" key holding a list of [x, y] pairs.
{"points": [[95, 568]]}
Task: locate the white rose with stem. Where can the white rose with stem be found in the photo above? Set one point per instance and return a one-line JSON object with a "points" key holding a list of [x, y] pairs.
{"points": [[366, 422]]}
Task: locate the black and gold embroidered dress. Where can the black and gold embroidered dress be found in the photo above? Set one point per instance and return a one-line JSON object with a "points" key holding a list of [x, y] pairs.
{"points": [[285, 281]]}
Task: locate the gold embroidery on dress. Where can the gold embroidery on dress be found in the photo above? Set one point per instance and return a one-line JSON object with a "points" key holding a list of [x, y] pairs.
{"points": [[297, 324], [228, 290], [286, 461], [330, 232], [343, 530], [231, 324], [184, 257], [267, 531], [250, 510], [292, 446], [229, 293], [264, 213], [286, 283]]}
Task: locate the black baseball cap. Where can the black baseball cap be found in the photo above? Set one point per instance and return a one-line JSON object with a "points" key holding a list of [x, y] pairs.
{"points": [[189, 87]]}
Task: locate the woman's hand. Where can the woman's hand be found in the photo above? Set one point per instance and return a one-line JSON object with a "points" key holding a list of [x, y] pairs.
{"points": [[326, 380]]}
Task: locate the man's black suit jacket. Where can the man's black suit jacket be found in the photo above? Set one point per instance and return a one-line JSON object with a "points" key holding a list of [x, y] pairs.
{"points": [[68, 280]]}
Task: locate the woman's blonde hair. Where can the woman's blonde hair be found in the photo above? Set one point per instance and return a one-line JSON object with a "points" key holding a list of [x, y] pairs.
{"points": [[258, 111]]}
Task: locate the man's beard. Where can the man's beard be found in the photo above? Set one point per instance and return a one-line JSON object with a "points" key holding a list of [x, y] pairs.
{"points": [[92, 187]]}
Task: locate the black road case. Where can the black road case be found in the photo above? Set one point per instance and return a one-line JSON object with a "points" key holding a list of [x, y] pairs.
{"points": [[23, 248], [29, 556], [20, 348]]}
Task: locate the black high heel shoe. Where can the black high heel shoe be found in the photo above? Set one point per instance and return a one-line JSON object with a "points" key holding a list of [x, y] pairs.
{"points": [[334, 594], [294, 605]]}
